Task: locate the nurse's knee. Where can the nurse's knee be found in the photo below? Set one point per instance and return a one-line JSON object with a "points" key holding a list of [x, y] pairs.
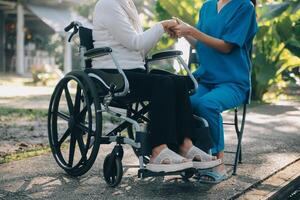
{"points": [[205, 108], [201, 108]]}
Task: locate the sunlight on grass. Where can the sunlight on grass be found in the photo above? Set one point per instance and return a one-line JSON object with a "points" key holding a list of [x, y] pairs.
{"points": [[25, 154]]}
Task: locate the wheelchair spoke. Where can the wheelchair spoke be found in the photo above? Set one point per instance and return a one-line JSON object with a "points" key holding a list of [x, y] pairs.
{"points": [[63, 116], [72, 149], [69, 100], [77, 100], [64, 137], [85, 129], [82, 146], [136, 107], [143, 104], [82, 114]]}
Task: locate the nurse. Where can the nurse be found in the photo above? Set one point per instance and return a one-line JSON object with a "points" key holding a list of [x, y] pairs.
{"points": [[223, 40]]}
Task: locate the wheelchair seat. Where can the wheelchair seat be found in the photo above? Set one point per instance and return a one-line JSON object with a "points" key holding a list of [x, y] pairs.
{"points": [[106, 81]]}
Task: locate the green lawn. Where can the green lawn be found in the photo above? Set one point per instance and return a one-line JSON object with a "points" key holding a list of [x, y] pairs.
{"points": [[15, 113]]}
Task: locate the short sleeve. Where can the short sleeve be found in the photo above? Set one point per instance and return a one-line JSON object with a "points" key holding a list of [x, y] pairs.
{"points": [[199, 25], [242, 27], [201, 16]]}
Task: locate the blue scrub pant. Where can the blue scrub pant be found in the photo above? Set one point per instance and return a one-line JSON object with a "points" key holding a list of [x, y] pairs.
{"points": [[210, 101]]}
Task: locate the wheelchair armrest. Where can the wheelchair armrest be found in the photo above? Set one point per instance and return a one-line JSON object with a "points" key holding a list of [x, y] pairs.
{"points": [[97, 52], [164, 55], [103, 51], [174, 54]]}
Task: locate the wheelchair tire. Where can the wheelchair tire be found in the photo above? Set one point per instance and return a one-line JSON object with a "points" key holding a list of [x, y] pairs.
{"points": [[74, 130], [187, 174], [131, 132], [113, 172]]}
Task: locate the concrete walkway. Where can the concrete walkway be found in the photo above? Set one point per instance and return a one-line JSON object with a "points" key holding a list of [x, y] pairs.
{"points": [[271, 141], [20, 96]]}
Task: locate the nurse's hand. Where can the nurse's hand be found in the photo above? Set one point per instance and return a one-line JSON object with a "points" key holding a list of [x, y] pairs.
{"points": [[182, 29]]}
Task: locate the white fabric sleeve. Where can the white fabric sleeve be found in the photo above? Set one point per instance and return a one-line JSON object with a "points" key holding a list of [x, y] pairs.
{"points": [[112, 16]]}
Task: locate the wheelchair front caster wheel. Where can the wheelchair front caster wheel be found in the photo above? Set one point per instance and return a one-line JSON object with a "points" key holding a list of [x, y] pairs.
{"points": [[112, 170], [187, 174]]}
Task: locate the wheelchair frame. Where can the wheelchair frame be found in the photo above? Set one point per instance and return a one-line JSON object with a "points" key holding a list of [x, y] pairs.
{"points": [[77, 129]]}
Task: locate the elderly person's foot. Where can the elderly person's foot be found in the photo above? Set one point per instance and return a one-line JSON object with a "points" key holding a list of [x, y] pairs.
{"points": [[201, 160], [165, 160]]}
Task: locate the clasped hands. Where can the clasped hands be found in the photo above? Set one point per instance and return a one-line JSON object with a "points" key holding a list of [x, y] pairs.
{"points": [[176, 28]]}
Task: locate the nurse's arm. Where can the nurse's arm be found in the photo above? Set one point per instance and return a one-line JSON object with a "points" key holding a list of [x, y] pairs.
{"points": [[189, 32], [213, 42], [192, 41]]}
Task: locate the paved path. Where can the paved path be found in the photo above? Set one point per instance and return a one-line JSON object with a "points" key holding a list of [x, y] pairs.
{"points": [[25, 97], [272, 140]]}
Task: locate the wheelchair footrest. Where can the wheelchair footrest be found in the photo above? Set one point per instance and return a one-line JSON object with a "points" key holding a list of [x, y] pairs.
{"points": [[144, 173]]}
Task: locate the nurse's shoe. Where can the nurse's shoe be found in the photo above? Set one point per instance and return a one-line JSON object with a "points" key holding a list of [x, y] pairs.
{"points": [[214, 176], [169, 161], [202, 160]]}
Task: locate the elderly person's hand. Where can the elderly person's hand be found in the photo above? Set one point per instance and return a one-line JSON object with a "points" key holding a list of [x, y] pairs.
{"points": [[169, 25]]}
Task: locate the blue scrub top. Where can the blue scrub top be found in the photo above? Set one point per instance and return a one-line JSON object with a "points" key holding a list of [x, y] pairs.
{"points": [[235, 24]]}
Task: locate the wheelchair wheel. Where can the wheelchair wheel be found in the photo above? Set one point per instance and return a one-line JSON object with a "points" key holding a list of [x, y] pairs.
{"points": [[130, 129], [187, 174], [74, 125], [112, 170]]}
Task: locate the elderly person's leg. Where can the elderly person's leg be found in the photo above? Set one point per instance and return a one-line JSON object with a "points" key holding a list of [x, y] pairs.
{"points": [[160, 91], [185, 129]]}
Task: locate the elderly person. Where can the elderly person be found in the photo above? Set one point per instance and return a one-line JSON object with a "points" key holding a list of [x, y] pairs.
{"points": [[117, 25]]}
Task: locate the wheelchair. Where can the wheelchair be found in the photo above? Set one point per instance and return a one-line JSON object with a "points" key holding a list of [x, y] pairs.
{"points": [[84, 98]]}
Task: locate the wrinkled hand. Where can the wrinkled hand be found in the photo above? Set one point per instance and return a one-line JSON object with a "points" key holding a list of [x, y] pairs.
{"points": [[182, 29]]}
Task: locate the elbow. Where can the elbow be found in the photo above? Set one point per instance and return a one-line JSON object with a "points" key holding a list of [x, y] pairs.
{"points": [[226, 49], [142, 46], [135, 47], [138, 44]]}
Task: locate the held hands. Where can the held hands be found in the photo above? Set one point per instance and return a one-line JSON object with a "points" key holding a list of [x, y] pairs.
{"points": [[176, 28], [168, 25], [182, 29]]}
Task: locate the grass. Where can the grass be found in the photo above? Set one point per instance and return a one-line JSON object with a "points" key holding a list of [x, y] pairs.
{"points": [[24, 154], [28, 153], [13, 115], [20, 113]]}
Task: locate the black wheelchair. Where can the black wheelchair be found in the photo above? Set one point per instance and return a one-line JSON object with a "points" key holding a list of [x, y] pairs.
{"points": [[82, 100]]}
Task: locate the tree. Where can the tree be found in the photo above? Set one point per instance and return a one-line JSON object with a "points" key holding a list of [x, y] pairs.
{"points": [[277, 46], [186, 10]]}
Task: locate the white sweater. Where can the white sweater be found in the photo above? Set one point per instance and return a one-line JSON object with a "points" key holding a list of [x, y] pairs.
{"points": [[113, 28]]}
